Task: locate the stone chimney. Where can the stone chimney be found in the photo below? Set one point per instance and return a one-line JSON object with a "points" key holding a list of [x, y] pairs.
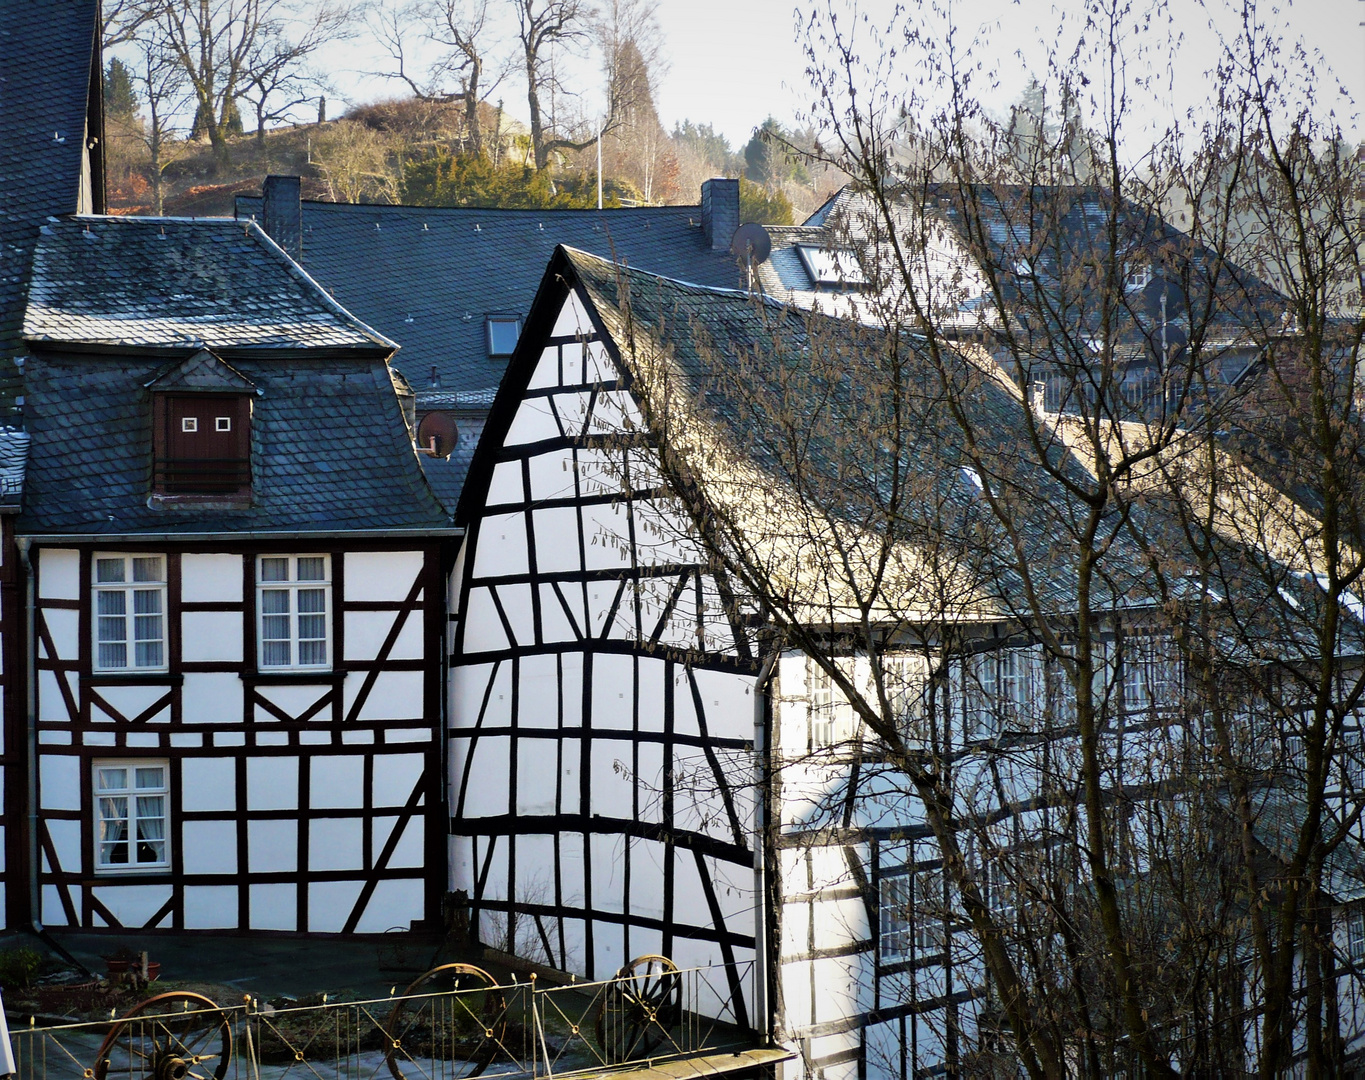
{"points": [[282, 213], [719, 212]]}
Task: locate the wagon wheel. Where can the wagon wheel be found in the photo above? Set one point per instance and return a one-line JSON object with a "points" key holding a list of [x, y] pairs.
{"points": [[173, 1036], [433, 1033], [640, 1008]]}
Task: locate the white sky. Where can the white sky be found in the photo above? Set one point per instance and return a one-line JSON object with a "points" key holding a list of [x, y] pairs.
{"points": [[734, 62]]}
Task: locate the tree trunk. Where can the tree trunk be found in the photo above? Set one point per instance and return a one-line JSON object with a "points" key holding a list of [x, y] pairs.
{"points": [[533, 101]]}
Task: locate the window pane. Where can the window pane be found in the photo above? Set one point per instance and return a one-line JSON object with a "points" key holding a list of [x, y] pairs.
{"points": [[113, 656], [146, 601], [113, 779], [150, 810], [108, 569], [149, 776], [147, 654], [312, 568], [147, 568], [313, 653], [275, 654], [502, 336], [274, 569], [112, 602], [276, 602], [113, 816], [311, 600]]}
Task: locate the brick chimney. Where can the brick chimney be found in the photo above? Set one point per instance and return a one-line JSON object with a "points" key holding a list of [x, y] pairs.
{"points": [[282, 213], [719, 212]]}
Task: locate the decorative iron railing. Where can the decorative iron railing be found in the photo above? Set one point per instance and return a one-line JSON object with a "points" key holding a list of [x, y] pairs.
{"points": [[454, 1023]]}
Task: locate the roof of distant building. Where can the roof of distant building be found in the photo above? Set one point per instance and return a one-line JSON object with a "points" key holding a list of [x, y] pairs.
{"points": [[429, 277]]}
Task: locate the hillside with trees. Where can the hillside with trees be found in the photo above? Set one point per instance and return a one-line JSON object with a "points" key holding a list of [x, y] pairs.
{"points": [[203, 101]]}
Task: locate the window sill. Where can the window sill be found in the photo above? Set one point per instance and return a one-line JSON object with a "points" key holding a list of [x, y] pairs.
{"points": [[206, 501], [148, 676], [104, 873], [313, 675]]}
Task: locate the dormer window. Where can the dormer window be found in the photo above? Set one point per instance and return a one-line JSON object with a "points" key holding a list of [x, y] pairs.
{"points": [[203, 446], [503, 332], [835, 269], [201, 430]]}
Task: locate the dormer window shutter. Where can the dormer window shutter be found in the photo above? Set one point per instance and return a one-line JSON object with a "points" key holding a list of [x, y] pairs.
{"points": [[201, 428], [203, 444]]}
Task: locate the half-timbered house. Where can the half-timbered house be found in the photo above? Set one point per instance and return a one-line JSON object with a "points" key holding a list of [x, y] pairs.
{"points": [[671, 784], [235, 576]]}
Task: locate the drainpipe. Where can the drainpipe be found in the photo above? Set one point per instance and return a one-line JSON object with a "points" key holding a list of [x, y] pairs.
{"points": [[31, 712], [762, 776]]}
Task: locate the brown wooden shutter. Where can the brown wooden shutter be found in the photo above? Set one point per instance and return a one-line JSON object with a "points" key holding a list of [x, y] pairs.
{"points": [[204, 443]]}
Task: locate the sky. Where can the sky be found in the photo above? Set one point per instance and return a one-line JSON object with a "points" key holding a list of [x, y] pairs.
{"points": [[732, 63]]}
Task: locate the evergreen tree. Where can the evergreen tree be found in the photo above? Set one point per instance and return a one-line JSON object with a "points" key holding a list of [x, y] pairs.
{"points": [[120, 99]]}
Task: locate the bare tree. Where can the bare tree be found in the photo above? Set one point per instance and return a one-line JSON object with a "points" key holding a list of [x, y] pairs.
{"points": [[462, 29], [274, 80], [230, 47], [1068, 520], [544, 26], [164, 91]]}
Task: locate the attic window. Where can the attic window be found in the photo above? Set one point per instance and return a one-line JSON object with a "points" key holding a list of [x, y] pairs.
{"points": [[1137, 277], [201, 444], [831, 268], [503, 331]]}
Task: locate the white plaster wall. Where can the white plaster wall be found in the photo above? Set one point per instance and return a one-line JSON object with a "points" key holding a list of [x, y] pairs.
{"points": [[211, 636], [366, 632], [211, 697], [59, 574], [274, 906], [133, 905], [381, 576], [211, 578]]}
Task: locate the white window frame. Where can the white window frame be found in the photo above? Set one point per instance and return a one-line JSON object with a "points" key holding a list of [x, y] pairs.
{"points": [[831, 714], [895, 935], [1153, 679], [501, 320], [131, 793], [1355, 932], [129, 588], [293, 586]]}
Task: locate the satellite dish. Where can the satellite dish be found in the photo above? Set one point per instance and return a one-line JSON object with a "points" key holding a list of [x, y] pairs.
{"points": [[751, 244], [437, 434]]}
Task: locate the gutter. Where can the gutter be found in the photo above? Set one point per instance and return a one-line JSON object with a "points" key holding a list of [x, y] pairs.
{"points": [[762, 773], [245, 534]]}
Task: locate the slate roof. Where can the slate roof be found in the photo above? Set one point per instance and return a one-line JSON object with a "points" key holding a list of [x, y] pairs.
{"points": [[329, 446], [708, 349], [45, 61], [203, 372], [13, 459], [427, 277], [175, 282]]}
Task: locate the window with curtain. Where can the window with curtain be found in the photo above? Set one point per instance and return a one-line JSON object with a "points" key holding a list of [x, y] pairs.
{"points": [[293, 616], [129, 600], [131, 807]]}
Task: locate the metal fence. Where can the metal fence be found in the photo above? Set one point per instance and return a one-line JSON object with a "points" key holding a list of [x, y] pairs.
{"points": [[456, 1025]]}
